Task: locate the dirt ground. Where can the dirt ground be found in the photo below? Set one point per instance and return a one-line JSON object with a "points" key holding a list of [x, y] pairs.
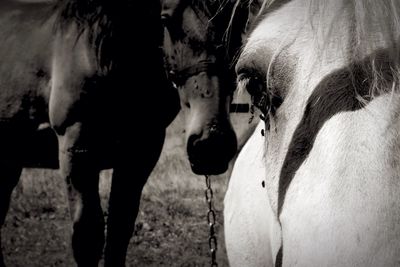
{"points": [[171, 228]]}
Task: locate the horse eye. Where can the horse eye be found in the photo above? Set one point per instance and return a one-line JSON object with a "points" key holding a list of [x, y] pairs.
{"points": [[256, 87]]}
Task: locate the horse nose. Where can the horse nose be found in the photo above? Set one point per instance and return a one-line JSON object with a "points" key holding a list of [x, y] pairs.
{"points": [[193, 142], [210, 151]]}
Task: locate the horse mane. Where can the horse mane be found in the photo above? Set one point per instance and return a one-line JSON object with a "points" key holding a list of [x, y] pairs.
{"points": [[255, 10], [245, 15], [87, 13], [373, 23], [79, 11], [95, 15], [218, 12], [108, 23], [211, 8]]}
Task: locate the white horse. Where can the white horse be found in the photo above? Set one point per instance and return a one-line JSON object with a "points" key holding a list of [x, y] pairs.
{"points": [[325, 73]]}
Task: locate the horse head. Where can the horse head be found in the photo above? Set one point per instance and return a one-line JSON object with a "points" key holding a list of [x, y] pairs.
{"points": [[327, 82], [198, 55]]}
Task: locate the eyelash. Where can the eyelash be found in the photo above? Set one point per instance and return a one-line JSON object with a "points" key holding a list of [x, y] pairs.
{"points": [[255, 86], [261, 97]]}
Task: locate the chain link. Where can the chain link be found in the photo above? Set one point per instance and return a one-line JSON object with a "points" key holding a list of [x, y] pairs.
{"points": [[212, 238]]}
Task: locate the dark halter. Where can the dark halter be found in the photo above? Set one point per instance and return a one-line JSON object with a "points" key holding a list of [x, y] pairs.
{"points": [[180, 76]]}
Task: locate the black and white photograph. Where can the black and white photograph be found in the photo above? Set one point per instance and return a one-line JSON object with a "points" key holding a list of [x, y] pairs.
{"points": [[230, 133]]}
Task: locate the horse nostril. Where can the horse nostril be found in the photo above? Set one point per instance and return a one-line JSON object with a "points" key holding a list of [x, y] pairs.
{"points": [[192, 142], [216, 142], [213, 128]]}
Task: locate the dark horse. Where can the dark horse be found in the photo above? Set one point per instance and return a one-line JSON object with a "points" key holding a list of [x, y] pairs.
{"points": [[90, 70], [200, 42]]}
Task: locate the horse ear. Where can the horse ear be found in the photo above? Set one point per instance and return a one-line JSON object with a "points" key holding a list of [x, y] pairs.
{"points": [[169, 8]]}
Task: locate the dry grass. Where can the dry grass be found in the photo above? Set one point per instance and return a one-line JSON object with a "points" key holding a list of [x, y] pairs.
{"points": [[171, 228]]}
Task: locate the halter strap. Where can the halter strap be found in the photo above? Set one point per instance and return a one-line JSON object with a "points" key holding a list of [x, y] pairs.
{"points": [[180, 76]]}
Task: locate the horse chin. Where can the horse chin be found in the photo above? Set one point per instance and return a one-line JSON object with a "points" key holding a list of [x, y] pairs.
{"points": [[208, 168]]}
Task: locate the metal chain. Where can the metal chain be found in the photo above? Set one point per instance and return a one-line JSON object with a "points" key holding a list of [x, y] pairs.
{"points": [[212, 238]]}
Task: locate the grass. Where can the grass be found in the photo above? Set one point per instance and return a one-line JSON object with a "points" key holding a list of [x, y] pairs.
{"points": [[171, 228]]}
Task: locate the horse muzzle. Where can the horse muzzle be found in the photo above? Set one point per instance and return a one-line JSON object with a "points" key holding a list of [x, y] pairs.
{"points": [[211, 150]]}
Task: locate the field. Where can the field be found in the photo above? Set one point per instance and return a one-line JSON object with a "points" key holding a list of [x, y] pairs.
{"points": [[171, 228]]}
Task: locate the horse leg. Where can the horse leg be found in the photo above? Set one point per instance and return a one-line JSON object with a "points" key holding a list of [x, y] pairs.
{"points": [[126, 192], [8, 181], [82, 175]]}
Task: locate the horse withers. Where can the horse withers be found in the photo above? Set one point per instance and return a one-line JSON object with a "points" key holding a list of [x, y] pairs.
{"points": [[199, 54], [326, 76], [95, 74]]}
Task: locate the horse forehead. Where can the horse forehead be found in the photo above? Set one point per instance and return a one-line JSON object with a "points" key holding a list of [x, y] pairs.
{"points": [[271, 34], [278, 23], [293, 23], [288, 39]]}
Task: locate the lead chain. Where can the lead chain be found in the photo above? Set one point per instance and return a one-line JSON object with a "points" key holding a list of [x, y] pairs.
{"points": [[212, 239]]}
